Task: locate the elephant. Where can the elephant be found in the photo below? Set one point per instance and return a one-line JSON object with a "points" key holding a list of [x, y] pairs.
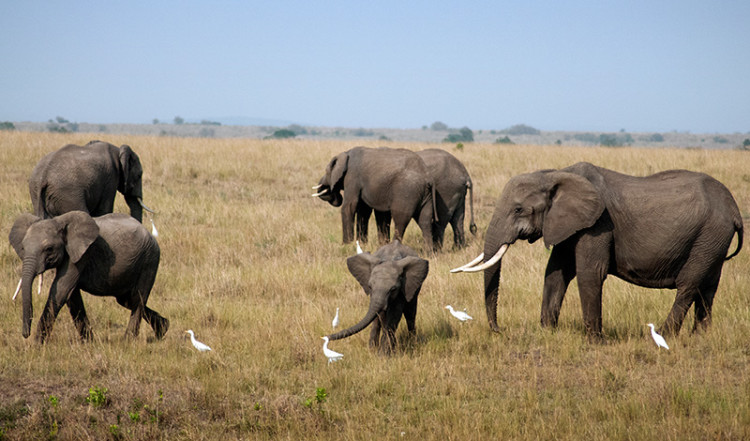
{"points": [[86, 178], [394, 183], [392, 277], [451, 182], [111, 255], [669, 230]]}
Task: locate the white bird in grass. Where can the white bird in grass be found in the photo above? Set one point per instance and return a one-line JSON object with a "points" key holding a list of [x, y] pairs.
{"points": [[332, 355], [335, 321], [198, 345], [359, 248], [658, 338], [461, 315]]}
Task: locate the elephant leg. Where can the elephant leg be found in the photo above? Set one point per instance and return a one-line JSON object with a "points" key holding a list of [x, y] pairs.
{"points": [[47, 320], [682, 302], [159, 324], [78, 313], [134, 325], [560, 271], [348, 210], [457, 225], [375, 330], [592, 264], [425, 224], [363, 219], [410, 314], [392, 319], [383, 221], [704, 302]]}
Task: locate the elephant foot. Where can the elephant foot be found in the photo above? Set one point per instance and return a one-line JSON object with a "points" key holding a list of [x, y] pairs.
{"points": [[161, 328]]}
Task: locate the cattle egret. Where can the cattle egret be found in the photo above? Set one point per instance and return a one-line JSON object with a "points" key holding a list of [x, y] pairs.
{"points": [[461, 315], [359, 248], [198, 345], [335, 321], [658, 339], [332, 355]]}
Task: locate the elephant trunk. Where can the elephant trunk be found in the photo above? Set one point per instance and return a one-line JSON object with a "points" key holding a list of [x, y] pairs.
{"points": [[136, 207], [492, 248], [376, 305], [28, 274]]}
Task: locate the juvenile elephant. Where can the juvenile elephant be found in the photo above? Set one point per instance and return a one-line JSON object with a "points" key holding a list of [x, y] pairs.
{"points": [[111, 255], [669, 230], [392, 277], [86, 178], [393, 182], [451, 182]]}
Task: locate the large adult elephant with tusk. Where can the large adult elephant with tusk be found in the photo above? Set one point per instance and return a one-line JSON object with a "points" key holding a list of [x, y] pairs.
{"points": [[86, 178], [392, 277], [669, 230], [394, 183]]}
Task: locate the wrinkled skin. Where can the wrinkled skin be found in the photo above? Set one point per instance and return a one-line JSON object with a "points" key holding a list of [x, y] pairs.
{"points": [[392, 182], [669, 230], [86, 178], [392, 277], [112, 255], [451, 182]]}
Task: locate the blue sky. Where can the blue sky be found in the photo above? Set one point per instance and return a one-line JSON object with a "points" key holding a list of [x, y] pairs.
{"points": [[556, 65]]}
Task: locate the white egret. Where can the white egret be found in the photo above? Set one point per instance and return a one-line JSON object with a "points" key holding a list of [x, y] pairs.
{"points": [[332, 355], [461, 315], [359, 248], [658, 339], [335, 321], [198, 345]]}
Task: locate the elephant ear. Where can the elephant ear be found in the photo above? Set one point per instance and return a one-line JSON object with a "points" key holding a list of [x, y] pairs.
{"points": [[80, 231], [127, 160], [337, 168], [415, 270], [575, 205], [18, 231], [361, 266]]}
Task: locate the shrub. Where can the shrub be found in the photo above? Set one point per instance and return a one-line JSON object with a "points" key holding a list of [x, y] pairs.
{"points": [[463, 135], [720, 140], [521, 129], [656, 137], [504, 140], [7, 125], [282, 134], [437, 125]]}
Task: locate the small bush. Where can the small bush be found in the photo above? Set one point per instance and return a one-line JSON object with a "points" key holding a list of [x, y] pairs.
{"points": [[282, 134], [463, 135], [521, 129], [437, 125], [656, 137], [504, 140], [7, 125]]}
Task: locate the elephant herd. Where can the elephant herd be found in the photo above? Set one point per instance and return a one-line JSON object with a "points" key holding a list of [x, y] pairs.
{"points": [[670, 230]]}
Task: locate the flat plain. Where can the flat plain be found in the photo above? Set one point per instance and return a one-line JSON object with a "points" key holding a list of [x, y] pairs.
{"points": [[256, 268]]}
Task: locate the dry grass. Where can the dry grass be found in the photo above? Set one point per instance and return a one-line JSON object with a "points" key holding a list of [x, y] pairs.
{"points": [[255, 266]]}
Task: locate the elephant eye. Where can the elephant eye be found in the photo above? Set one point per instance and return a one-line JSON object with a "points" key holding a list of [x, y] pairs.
{"points": [[518, 210]]}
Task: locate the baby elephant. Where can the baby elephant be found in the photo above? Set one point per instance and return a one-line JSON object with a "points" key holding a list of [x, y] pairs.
{"points": [[392, 277], [111, 255]]}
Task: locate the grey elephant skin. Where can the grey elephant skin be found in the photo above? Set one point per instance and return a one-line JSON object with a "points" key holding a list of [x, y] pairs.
{"points": [[111, 255], [392, 277], [394, 183], [87, 178], [670, 230], [452, 181]]}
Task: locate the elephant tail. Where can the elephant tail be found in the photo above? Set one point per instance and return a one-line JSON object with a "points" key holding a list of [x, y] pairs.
{"points": [[739, 229], [472, 225], [41, 210]]}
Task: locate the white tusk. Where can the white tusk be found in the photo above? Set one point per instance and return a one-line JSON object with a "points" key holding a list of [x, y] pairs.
{"points": [[496, 258], [321, 193], [359, 248], [317, 187], [140, 201], [18, 288], [153, 229], [39, 289], [472, 263]]}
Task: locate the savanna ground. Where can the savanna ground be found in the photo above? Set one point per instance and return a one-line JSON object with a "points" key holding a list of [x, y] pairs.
{"points": [[256, 267]]}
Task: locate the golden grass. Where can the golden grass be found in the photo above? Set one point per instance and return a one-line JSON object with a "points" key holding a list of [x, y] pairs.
{"points": [[256, 267]]}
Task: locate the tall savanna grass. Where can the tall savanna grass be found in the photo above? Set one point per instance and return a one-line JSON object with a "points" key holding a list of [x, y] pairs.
{"points": [[256, 268]]}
